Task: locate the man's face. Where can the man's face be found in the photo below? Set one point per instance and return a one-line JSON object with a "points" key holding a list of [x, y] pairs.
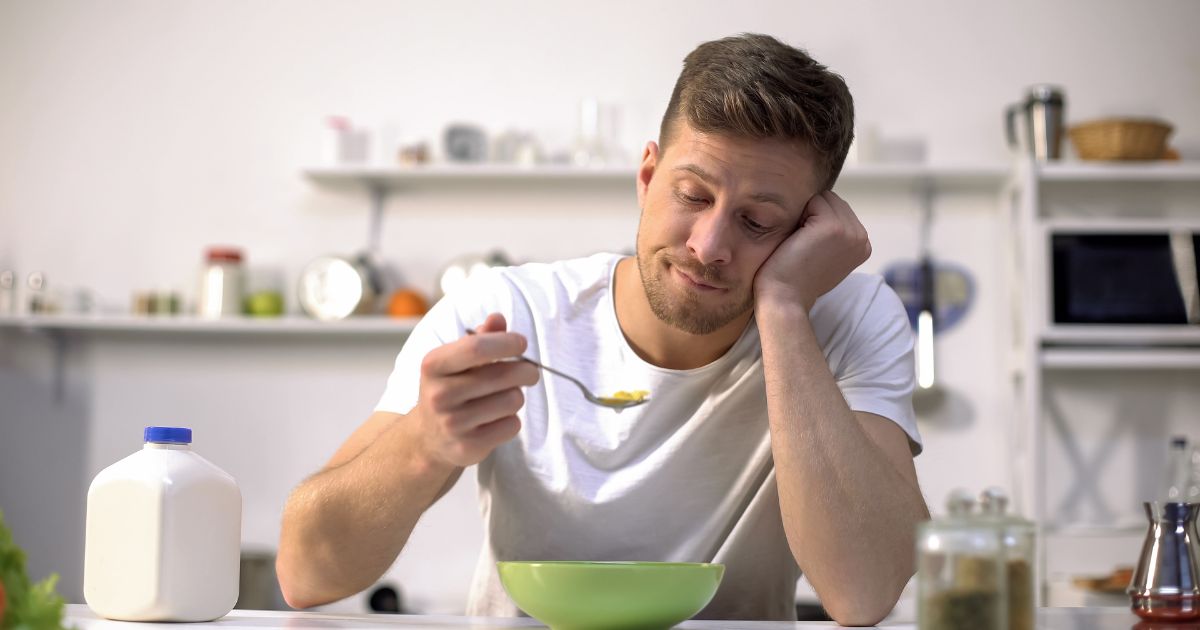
{"points": [[715, 209]]}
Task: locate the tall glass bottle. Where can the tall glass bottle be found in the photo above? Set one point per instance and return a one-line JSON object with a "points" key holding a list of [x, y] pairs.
{"points": [[1178, 470]]}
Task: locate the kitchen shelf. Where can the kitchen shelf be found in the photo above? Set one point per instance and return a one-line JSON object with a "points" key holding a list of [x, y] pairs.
{"points": [[381, 181], [1162, 171], [1118, 225], [292, 325], [1131, 335], [1121, 358], [967, 176], [398, 176], [943, 176]]}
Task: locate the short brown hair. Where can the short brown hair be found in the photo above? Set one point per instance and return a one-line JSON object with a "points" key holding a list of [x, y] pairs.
{"points": [[756, 86]]}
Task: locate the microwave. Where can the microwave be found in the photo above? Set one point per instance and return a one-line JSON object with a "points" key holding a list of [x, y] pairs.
{"points": [[1125, 278]]}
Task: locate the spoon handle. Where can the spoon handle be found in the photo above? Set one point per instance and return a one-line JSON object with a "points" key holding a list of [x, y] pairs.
{"points": [[583, 388]]}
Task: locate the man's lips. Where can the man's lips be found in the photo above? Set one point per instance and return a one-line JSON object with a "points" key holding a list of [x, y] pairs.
{"points": [[696, 283]]}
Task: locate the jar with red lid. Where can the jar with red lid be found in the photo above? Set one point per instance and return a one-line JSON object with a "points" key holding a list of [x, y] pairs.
{"points": [[221, 283]]}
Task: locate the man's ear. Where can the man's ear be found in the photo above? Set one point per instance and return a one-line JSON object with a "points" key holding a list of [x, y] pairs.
{"points": [[646, 171]]}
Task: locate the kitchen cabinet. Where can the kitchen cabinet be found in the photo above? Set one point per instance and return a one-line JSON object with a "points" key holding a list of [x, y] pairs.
{"points": [[1094, 403]]}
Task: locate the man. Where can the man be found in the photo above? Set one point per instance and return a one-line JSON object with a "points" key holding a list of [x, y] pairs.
{"points": [[779, 434]]}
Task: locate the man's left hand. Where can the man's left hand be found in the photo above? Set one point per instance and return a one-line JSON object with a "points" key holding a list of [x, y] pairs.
{"points": [[829, 243]]}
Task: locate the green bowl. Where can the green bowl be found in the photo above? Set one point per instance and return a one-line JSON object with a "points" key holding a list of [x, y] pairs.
{"points": [[610, 595]]}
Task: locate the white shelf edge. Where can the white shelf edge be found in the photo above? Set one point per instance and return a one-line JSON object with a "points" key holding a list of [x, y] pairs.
{"points": [[464, 172], [982, 175], [1128, 358], [1159, 171], [1120, 335], [291, 325], [1105, 225], [1079, 530]]}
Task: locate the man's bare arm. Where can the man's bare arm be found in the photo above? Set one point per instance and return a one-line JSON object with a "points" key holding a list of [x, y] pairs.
{"points": [[343, 527], [847, 486]]}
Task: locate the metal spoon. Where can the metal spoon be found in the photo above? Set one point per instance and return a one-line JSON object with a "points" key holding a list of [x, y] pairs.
{"points": [[603, 401]]}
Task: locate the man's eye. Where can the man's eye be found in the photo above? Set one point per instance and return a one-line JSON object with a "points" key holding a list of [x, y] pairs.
{"points": [[686, 198], [755, 226]]}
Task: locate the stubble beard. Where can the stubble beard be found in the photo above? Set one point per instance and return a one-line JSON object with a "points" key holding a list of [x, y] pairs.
{"points": [[687, 311]]}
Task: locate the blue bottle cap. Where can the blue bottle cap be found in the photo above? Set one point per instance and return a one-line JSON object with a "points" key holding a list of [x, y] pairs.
{"points": [[167, 435]]}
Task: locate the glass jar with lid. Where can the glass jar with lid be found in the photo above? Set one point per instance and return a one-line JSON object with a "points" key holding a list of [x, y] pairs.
{"points": [[1019, 540], [221, 283], [960, 570]]}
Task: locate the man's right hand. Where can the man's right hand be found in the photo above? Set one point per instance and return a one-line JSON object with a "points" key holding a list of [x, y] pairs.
{"points": [[470, 394]]}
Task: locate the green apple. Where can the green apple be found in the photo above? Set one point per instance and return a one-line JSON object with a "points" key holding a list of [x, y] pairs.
{"points": [[264, 304]]}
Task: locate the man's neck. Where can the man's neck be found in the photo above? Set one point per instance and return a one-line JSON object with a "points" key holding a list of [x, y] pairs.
{"points": [[655, 341]]}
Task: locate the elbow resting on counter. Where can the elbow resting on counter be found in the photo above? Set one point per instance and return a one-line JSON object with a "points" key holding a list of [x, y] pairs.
{"points": [[862, 609]]}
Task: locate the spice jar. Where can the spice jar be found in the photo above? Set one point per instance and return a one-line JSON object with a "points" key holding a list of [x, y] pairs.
{"points": [[220, 283], [960, 571], [8, 292], [1019, 539]]}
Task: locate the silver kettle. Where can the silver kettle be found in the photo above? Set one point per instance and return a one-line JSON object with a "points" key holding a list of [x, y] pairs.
{"points": [[1042, 116], [1166, 583]]}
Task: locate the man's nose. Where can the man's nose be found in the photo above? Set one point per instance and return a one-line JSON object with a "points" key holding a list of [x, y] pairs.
{"points": [[710, 236]]}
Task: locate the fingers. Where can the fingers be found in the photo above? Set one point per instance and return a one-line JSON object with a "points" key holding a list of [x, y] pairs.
{"points": [[470, 392], [473, 351], [830, 209], [483, 411], [476, 445], [458, 389], [463, 434], [494, 323]]}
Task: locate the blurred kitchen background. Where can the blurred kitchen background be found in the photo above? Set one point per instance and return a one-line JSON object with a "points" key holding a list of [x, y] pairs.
{"points": [[139, 136]]}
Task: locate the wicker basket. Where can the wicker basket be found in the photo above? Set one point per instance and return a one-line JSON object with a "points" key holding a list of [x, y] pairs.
{"points": [[1121, 139]]}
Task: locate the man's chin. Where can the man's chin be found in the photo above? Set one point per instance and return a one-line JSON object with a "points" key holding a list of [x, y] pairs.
{"points": [[687, 320]]}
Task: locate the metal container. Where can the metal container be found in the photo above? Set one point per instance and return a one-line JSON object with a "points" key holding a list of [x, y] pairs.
{"points": [[1165, 584], [337, 287], [1042, 115]]}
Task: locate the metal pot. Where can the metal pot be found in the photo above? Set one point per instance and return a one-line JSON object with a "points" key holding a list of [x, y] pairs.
{"points": [[336, 287]]}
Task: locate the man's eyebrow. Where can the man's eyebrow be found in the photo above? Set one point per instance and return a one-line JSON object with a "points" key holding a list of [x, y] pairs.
{"points": [[697, 171], [708, 178], [770, 198]]}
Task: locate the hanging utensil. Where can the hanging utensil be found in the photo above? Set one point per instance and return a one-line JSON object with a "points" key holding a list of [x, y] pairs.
{"points": [[927, 316]]}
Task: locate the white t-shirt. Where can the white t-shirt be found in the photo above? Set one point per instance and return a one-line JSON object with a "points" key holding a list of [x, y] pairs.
{"points": [[686, 477]]}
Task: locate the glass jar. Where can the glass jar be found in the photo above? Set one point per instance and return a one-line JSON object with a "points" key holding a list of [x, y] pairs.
{"points": [[960, 571], [1019, 540], [221, 283]]}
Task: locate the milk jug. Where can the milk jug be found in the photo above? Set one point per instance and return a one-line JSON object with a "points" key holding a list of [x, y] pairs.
{"points": [[163, 534]]}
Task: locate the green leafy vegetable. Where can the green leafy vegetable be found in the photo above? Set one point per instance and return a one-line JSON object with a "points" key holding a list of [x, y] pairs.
{"points": [[25, 606]]}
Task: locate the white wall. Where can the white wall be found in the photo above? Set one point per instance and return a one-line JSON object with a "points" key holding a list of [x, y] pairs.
{"points": [[135, 133]]}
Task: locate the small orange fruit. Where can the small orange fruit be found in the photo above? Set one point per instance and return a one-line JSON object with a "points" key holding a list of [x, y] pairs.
{"points": [[407, 303]]}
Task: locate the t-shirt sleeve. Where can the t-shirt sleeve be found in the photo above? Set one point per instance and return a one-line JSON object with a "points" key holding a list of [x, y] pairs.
{"points": [[447, 321], [877, 373]]}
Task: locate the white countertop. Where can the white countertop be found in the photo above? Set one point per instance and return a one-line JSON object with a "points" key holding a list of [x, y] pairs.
{"points": [[81, 617]]}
